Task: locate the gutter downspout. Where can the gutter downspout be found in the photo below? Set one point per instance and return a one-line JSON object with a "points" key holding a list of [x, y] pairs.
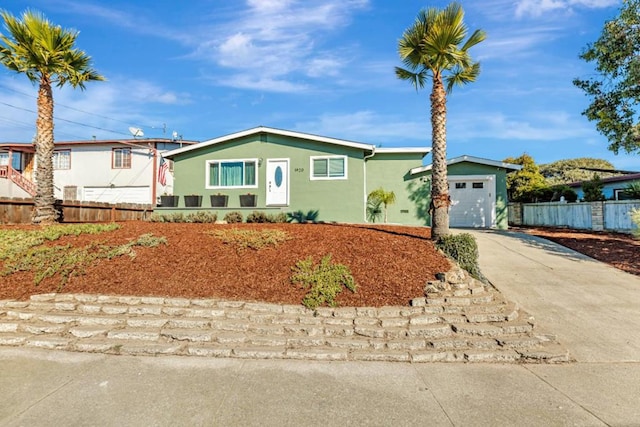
{"points": [[364, 168]]}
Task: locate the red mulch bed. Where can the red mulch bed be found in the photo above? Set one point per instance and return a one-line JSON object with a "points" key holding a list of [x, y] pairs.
{"points": [[617, 249], [390, 264]]}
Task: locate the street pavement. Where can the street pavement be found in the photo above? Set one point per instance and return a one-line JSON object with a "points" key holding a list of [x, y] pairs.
{"points": [[592, 308]]}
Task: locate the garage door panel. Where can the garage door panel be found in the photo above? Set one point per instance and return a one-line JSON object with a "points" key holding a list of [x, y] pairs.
{"points": [[471, 202], [138, 194]]}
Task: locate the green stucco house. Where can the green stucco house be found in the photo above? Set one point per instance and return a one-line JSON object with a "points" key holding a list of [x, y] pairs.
{"points": [[273, 170]]}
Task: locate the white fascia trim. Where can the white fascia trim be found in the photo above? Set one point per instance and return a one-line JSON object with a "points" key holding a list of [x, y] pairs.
{"points": [[264, 129], [470, 159], [401, 150]]}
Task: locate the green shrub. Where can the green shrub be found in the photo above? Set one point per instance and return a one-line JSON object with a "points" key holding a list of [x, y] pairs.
{"points": [[463, 249], [301, 217], [278, 218], [593, 189], [632, 191], [326, 281], [66, 261], [251, 239], [233, 217], [202, 217], [257, 217]]}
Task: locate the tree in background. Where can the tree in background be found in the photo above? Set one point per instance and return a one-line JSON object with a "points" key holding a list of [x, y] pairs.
{"points": [[632, 191], [615, 91], [521, 184], [592, 189], [575, 170], [47, 55], [434, 47]]}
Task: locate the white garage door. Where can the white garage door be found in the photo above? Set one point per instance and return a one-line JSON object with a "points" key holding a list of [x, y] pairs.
{"points": [[139, 194], [472, 201]]}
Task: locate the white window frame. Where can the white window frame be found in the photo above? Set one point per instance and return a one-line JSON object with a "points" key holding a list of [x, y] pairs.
{"points": [[56, 159], [221, 187], [4, 155], [327, 178], [122, 150]]}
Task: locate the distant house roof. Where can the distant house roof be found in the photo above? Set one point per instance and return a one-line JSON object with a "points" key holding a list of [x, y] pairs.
{"points": [[323, 139], [621, 178], [470, 159], [136, 142]]}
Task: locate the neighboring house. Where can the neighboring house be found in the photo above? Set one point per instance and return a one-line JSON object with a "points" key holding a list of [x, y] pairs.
{"points": [[111, 171], [612, 188], [478, 191], [293, 171]]}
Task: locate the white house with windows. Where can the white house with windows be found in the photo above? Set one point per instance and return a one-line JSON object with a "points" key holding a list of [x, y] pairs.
{"points": [[110, 171]]}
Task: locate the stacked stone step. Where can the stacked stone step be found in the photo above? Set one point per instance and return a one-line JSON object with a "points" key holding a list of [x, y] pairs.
{"points": [[429, 330], [482, 318]]}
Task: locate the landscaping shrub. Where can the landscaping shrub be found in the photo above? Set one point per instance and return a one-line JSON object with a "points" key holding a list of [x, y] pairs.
{"points": [[257, 217], [326, 281], [62, 260], [251, 239], [463, 249], [301, 217], [593, 189], [278, 218], [174, 217], [202, 217], [233, 217]]}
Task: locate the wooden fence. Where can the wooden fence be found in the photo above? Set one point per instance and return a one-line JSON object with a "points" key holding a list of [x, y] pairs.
{"points": [[609, 215], [18, 211]]}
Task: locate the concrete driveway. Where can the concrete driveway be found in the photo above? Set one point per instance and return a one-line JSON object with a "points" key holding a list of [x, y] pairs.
{"points": [[594, 309]]}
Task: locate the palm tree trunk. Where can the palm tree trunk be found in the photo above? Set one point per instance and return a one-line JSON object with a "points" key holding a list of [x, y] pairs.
{"points": [[44, 211], [440, 200]]}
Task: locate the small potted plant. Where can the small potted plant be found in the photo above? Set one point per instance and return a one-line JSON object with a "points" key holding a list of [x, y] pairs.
{"points": [[219, 200], [192, 201], [169, 201], [248, 200]]}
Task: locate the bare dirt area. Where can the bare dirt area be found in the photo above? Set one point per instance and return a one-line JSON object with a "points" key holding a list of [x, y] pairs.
{"points": [[617, 249], [390, 264]]}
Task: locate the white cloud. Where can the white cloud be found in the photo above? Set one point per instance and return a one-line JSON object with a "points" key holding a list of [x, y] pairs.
{"points": [[105, 109], [529, 126], [370, 127], [537, 8], [132, 18], [279, 42]]}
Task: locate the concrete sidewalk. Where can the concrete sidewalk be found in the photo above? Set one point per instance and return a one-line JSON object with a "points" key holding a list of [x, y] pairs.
{"points": [[592, 308], [44, 388]]}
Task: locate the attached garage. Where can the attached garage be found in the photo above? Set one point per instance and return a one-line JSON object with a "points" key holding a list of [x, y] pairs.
{"points": [[478, 191], [126, 194]]}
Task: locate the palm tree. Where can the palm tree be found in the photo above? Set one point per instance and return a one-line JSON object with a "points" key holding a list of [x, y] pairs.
{"points": [[434, 47], [46, 54], [381, 197]]}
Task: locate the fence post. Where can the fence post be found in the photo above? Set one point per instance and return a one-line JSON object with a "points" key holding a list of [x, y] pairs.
{"points": [[597, 216]]}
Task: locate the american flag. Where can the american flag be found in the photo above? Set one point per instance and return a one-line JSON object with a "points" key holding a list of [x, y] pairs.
{"points": [[162, 171]]}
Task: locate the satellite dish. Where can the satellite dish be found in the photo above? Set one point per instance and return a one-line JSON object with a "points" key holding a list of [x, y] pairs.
{"points": [[136, 132], [174, 135]]}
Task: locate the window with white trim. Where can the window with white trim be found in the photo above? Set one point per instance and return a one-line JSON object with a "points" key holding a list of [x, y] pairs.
{"points": [[121, 158], [4, 159], [61, 159], [329, 167], [240, 173]]}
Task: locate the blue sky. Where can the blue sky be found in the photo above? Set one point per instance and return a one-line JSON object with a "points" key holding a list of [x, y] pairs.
{"points": [[207, 68]]}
